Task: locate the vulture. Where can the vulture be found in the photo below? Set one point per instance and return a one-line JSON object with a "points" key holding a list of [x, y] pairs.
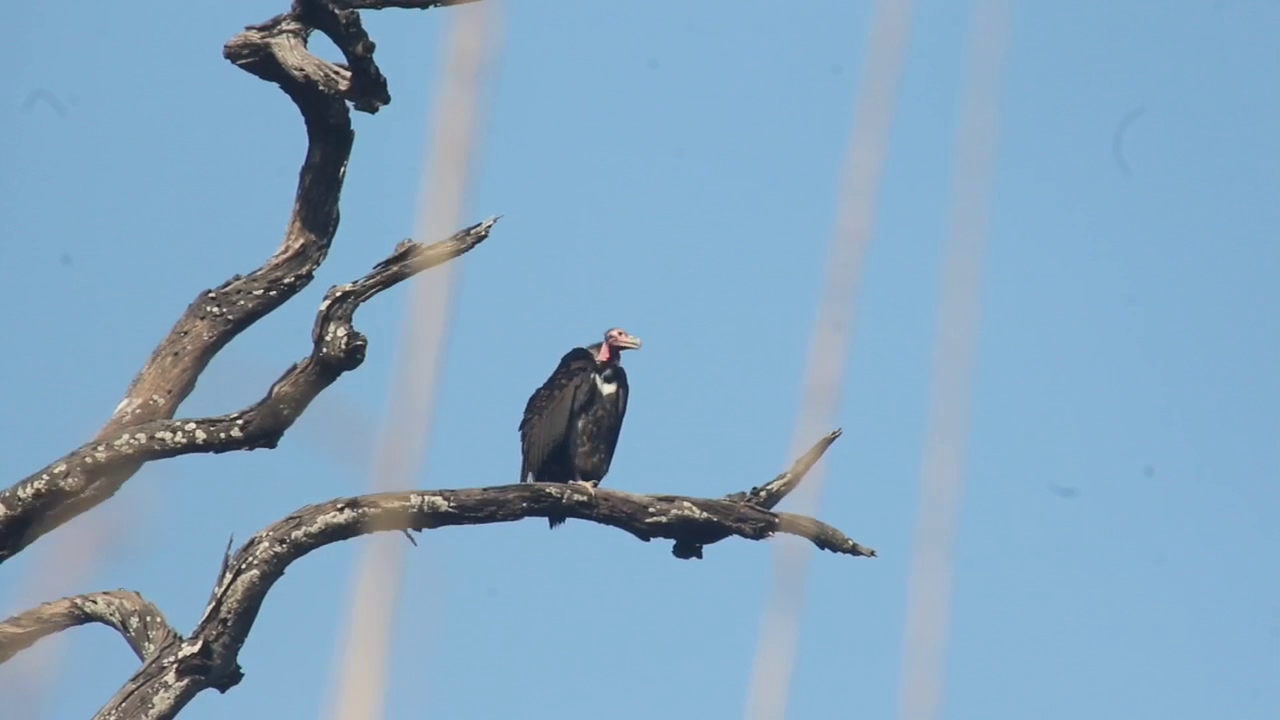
{"points": [[571, 424]]}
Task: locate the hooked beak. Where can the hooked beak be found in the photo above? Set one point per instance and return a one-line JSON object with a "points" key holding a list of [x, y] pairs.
{"points": [[628, 342]]}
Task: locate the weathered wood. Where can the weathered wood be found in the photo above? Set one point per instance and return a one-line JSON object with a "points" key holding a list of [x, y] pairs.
{"points": [[142, 427], [175, 670], [141, 624]]}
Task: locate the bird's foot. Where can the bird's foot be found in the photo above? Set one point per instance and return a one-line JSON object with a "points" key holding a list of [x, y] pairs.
{"points": [[589, 485]]}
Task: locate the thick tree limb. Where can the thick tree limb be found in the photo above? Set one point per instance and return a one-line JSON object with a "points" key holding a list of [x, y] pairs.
{"points": [[275, 51], [338, 347], [175, 670], [140, 623], [209, 658]]}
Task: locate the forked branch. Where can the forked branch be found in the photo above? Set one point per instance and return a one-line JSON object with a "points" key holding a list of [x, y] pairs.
{"points": [[175, 670], [275, 51], [337, 348], [691, 522]]}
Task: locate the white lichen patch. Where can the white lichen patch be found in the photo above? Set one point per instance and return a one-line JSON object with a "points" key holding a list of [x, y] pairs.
{"points": [[173, 438], [683, 510], [189, 426], [429, 503], [333, 518], [28, 490], [190, 648], [127, 441]]}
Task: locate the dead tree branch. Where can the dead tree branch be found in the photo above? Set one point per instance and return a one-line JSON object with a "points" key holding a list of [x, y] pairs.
{"points": [[142, 427], [337, 348], [175, 670], [140, 623], [409, 4]]}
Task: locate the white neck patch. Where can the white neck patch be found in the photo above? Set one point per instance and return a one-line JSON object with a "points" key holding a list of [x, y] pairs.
{"points": [[605, 388]]}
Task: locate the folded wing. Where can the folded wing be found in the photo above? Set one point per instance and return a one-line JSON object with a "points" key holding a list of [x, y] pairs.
{"points": [[551, 409]]}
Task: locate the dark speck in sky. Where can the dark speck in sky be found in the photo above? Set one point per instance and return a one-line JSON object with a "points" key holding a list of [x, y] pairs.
{"points": [[1065, 492]]}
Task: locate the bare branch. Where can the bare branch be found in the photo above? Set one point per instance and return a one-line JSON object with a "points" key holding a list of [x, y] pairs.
{"points": [[143, 428], [771, 493], [274, 51], [410, 4], [140, 623], [209, 658], [767, 496], [338, 348]]}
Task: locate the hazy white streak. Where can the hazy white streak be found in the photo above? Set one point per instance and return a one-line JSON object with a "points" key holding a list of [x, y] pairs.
{"points": [[361, 693], [928, 611], [829, 350]]}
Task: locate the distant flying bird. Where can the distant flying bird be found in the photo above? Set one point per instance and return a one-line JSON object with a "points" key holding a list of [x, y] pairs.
{"points": [[571, 424]]}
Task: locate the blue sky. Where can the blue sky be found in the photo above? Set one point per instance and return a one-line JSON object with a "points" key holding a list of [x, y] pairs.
{"points": [[673, 168]]}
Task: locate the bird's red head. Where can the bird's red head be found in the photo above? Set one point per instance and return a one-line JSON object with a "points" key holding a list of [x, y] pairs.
{"points": [[615, 341]]}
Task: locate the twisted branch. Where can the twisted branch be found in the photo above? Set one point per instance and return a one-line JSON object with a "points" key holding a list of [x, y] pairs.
{"points": [[142, 427], [338, 347]]}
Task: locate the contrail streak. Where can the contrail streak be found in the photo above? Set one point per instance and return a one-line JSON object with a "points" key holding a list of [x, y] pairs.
{"points": [[362, 686], [829, 349], [928, 610]]}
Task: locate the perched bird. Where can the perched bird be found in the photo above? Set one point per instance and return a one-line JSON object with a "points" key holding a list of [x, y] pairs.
{"points": [[571, 424]]}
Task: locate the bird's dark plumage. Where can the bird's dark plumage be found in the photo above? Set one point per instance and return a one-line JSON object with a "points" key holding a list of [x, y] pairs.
{"points": [[572, 422]]}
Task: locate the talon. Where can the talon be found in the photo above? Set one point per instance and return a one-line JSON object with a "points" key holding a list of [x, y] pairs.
{"points": [[589, 485]]}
